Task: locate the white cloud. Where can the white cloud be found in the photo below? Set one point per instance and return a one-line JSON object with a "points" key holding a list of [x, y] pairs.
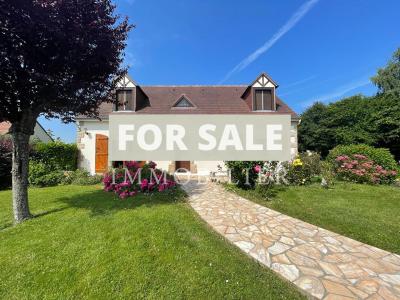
{"points": [[294, 19], [337, 93], [298, 82]]}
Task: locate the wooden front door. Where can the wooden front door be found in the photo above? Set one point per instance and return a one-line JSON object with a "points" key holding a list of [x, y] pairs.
{"points": [[101, 153], [182, 164]]}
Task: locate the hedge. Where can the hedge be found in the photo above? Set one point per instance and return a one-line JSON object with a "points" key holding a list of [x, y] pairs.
{"points": [[381, 156], [56, 155]]}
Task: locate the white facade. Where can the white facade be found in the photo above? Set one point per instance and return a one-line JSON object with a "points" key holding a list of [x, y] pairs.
{"points": [[87, 131]]}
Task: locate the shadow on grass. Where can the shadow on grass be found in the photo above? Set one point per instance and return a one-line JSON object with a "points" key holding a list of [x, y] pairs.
{"points": [[100, 202]]}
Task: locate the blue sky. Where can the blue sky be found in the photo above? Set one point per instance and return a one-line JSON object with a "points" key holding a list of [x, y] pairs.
{"points": [[315, 49]]}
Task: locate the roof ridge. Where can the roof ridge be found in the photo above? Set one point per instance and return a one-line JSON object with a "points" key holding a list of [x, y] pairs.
{"points": [[195, 85]]}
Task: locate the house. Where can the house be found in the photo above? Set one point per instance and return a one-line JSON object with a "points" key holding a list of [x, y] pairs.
{"points": [[259, 97], [40, 134]]}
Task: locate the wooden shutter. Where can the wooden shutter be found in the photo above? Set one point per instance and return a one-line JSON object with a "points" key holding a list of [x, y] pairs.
{"points": [[128, 100], [267, 98], [101, 163], [258, 100]]}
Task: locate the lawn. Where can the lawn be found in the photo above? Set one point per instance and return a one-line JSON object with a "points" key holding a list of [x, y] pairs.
{"points": [[85, 243], [370, 214]]}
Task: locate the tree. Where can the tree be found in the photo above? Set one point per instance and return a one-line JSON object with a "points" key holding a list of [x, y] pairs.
{"points": [[385, 123], [344, 122], [388, 78], [386, 116], [57, 58], [313, 136]]}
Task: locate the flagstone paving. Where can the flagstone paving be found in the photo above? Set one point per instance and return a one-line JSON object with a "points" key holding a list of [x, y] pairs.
{"points": [[324, 264]]}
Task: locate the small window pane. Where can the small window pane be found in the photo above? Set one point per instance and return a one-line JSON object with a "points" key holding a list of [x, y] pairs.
{"points": [[183, 103]]}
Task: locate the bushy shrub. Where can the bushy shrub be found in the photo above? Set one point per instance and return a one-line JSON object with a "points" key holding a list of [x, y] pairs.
{"points": [[244, 173], [361, 169], [270, 173], [40, 175], [327, 174], [311, 161], [81, 177], [136, 178], [302, 169], [5, 162], [56, 155], [380, 156]]}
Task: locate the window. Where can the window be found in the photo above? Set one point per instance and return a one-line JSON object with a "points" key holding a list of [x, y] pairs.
{"points": [[124, 100], [183, 102], [263, 99]]}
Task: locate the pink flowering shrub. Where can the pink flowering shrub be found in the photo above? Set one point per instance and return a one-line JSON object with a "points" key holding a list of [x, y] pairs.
{"points": [[359, 168], [134, 178]]}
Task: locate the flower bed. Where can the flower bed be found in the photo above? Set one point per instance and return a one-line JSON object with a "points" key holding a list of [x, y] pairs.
{"points": [[137, 178], [359, 168]]}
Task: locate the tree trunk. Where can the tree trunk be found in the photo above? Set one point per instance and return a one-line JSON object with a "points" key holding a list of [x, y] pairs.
{"points": [[20, 160]]}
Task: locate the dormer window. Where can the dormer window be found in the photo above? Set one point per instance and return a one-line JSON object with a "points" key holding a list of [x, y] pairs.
{"points": [[183, 102], [263, 99], [124, 100]]}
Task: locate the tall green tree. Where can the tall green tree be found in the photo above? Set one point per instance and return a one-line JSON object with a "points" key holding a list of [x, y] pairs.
{"points": [[323, 126], [59, 59], [385, 122], [313, 136], [358, 119], [387, 79]]}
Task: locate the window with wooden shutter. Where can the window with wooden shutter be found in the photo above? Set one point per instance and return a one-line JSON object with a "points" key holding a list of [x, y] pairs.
{"points": [[263, 99], [124, 100]]}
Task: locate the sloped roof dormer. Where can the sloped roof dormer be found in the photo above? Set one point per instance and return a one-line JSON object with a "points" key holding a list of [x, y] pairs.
{"points": [[183, 102]]}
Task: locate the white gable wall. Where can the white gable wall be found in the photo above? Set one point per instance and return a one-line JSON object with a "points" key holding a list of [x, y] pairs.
{"points": [[87, 131], [125, 82], [269, 85]]}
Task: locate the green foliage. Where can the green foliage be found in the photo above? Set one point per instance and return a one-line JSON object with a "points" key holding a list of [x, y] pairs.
{"points": [[323, 127], [385, 123], [327, 174], [81, 177], [266, 191], [56, 155], [361, 169], [243, 172], [41, 175], [358, 119], [302, 170], [84, 244], [388, 78], [313, 136], [5, 162], [381, 156]]}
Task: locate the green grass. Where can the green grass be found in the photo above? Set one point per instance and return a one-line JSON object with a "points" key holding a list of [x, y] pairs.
{"points": [[370, 214], [84, 243]]}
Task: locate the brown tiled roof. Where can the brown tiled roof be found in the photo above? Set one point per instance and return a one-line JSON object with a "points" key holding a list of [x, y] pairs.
{"points": [[207, 100]]}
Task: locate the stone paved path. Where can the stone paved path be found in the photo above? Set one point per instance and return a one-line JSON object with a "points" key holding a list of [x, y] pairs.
{"points": [[322, 263]]}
